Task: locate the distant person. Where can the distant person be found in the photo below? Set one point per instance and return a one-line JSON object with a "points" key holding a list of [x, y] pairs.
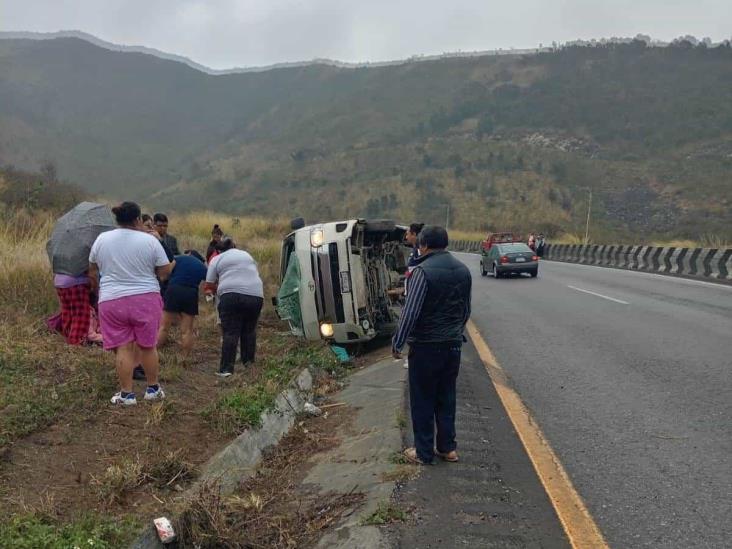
{"points": [[233, 275], [129, 263], [216, 235], [180, 301], [161, 226], [532, 241], [540, 244], [149, 227], [411, 238], [432, 322], [74, 300]]}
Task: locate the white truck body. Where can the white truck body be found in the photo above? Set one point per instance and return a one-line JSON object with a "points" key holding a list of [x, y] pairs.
{"points": [[346, 281]]}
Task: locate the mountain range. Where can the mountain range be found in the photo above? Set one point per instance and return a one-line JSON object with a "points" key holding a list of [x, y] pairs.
{"points": [[510, 141]]}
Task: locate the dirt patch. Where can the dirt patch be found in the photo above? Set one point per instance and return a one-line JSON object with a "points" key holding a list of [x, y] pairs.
{"points": [[130, 461], [273, 508]]}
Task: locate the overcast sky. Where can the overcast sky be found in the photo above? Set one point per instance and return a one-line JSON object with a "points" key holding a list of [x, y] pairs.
{"points": [[227, 33]]}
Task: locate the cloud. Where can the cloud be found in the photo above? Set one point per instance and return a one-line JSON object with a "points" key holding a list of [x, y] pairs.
{"points": [[226, 33]]}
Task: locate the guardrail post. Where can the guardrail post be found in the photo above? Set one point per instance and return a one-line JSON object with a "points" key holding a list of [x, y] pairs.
{"points": [[675, 260], [725, 265], [655, 262], [711, 267]]}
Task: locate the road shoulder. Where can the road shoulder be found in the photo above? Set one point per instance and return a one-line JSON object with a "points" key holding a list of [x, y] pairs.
{"points": [[493, 497], [363, 460]]}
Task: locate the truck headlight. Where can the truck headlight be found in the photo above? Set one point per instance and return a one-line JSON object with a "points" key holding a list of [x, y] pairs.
{"points": [[326, 330], [317, 238]]}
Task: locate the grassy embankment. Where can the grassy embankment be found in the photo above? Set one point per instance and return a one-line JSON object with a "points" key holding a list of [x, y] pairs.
{"points": [[46, 384]]}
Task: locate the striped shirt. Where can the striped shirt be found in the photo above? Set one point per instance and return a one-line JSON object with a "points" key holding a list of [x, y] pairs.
{"points": [[412, 308]]}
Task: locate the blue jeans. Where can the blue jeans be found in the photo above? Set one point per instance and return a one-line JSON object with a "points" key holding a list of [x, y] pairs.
{"points": [[433, 371]]}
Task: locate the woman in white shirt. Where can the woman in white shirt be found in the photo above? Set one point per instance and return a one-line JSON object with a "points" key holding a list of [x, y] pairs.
{"points": [[234, 276], [127, 263]]}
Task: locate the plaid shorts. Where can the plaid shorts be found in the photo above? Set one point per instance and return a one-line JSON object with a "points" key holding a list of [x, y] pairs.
{"points": [[74, 313]]}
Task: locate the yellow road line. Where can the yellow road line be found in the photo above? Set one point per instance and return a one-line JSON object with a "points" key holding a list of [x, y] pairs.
{"points": [[579, 525]]}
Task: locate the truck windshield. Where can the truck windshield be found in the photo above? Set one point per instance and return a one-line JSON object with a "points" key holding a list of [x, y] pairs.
{"points": [[288, 296]]}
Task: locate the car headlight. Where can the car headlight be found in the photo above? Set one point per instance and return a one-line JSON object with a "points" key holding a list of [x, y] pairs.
{"points": [[326, 330], [317, 238]]}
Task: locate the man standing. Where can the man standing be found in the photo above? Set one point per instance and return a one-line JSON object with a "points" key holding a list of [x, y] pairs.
{"points": [[161, 225], [432, 322]]}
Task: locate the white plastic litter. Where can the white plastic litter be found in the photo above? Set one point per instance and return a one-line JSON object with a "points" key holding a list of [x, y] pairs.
{"points": [[312, 409], [164, 529]]}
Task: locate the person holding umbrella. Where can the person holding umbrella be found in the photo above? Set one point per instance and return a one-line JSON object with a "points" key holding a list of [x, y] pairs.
{"points": [[68, 251], [130, 262]]}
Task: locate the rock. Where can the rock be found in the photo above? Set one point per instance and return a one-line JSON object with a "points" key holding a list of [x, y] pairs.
{"points": [[311, 409]]}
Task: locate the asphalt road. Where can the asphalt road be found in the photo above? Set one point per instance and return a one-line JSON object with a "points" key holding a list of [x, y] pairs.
{"points": [[492, 498], [630, 377]]}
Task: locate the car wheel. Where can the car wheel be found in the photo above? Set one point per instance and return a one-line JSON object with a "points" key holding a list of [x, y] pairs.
{"points": [[483, 272], [534, 273], [496, 272]]}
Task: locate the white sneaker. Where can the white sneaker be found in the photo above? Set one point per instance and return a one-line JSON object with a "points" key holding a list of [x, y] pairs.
{"points": [[129, 400], [154, 394]]}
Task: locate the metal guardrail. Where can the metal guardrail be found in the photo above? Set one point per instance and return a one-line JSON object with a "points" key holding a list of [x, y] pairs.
{"points": [[702, 263]]}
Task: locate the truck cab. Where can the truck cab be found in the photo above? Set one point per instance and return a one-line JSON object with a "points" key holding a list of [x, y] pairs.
{"points": [[343, 281]]}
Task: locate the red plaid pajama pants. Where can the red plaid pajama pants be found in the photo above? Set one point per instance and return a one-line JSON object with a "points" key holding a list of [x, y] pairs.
{"points": [[74, 313]]}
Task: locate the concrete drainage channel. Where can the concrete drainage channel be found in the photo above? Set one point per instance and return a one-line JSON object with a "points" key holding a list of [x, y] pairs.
{"points": [[713, 264], [363, 460], [239, 459]]}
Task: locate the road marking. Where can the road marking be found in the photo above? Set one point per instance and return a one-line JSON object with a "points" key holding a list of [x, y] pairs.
{"points": [[599, 295], [579, 525]]}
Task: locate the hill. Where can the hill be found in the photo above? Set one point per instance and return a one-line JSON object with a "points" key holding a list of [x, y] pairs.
{"points": [[510, 141]]}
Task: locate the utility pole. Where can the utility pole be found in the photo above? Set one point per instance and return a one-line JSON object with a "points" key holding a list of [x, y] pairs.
{"points": [[447, 218], [587, 226]]}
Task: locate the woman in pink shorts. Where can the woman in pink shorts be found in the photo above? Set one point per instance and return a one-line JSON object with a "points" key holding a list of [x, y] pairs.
{"points": [[127, 263]]}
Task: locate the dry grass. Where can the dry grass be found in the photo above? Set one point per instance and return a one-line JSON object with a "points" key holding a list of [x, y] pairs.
{"points": [[40, 376], [118, 480], [270, 509], [467, 235]]}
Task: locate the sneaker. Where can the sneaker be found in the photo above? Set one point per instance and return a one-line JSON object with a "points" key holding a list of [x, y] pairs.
{"points": [[224, 373], [128, 400], [138, 372], [154, 394]]}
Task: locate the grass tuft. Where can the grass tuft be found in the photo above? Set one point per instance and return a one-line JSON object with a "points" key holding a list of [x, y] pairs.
{"points": [[241, 408], [118, 480], [386, 513]]}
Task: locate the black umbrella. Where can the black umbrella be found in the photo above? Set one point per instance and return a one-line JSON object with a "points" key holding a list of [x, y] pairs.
{"points": [[73, 236]]}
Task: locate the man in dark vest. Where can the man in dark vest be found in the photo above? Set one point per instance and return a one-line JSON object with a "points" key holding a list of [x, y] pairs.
{"points": [[432, 323]]}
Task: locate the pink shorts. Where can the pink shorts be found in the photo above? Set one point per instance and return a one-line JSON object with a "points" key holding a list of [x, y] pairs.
{"points": [[132, 318]]}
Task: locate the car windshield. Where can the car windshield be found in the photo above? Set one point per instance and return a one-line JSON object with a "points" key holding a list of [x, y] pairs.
{"points": [[510, 248]]}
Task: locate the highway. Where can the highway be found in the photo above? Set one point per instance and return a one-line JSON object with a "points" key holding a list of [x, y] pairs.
{"points": [[629, 375]]}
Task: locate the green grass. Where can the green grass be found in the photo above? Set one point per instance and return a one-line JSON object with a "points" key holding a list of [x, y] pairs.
{"points": [[241, 407], [89, 531], [35, 390], [386, 513]]}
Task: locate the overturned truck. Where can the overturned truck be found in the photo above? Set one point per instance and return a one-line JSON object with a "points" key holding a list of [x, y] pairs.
{"points": [[342, 281]]}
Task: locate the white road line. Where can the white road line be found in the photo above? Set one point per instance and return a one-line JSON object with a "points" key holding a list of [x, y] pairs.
{"points": [[599, 295]]}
